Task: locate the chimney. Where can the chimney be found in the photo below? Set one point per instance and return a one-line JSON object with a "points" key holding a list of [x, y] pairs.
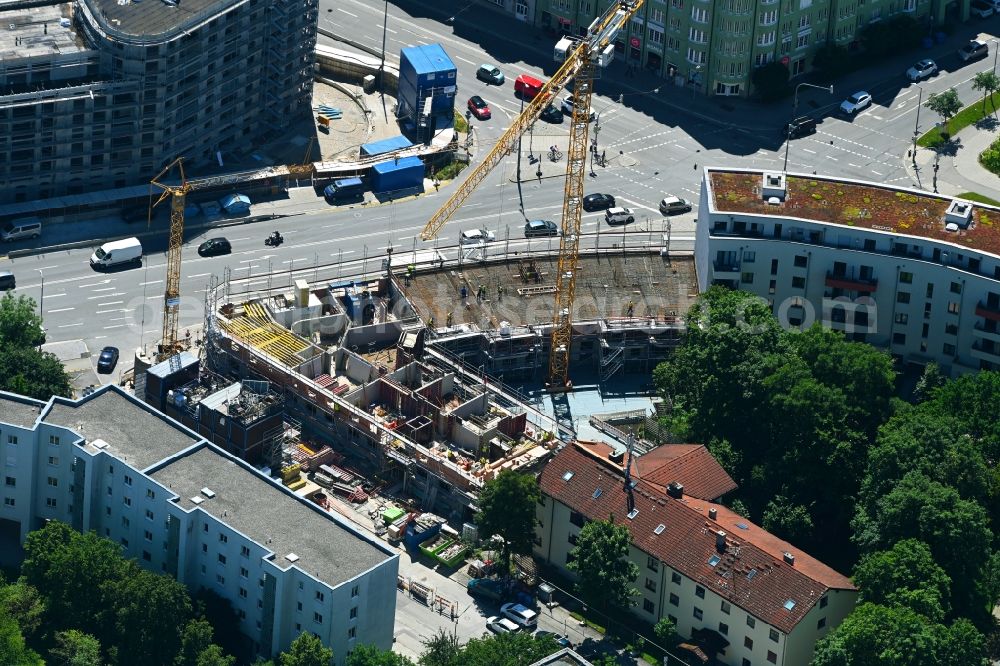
{"points": [[616, 456], [713, 514], [720, 541], [789, 559], [675, 490]]}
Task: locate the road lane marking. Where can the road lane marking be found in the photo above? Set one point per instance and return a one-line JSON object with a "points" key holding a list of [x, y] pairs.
{"points": [[114, 326], [90, 298], [191, 277], [806, 150], [344, 11], [143, 284], [104, 305], [59, 310], [105, 289], [79, 323], [110, 311], [84, 286]]}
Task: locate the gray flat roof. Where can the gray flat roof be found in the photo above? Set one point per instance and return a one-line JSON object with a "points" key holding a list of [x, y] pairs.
{"points": [[19, 411], [134, 433], [151, 18], [36, 31], [281, 522]]}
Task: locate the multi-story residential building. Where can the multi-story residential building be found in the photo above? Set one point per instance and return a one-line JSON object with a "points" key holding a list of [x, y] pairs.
{"points": [[713, 46], [522, 10], [99, 94], [184, 507], [716, 575], [914, 272]]}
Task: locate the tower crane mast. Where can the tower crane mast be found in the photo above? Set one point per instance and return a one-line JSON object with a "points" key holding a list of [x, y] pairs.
{"points": [[172, 294], [581, 60]]}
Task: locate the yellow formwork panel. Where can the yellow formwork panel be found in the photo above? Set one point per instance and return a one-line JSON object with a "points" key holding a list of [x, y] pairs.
{"points": [[257, 329]]}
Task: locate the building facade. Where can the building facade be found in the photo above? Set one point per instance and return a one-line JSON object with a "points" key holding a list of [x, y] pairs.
{"points": [[185, 508], [713, 46], [100, 94], [913, 272], [714, 574]]}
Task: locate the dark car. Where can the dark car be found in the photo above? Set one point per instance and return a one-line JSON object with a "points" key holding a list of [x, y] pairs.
{"points": [[540, 228], [801, 126], [214, 246], [7, 281], [108, 359], [552, 115], [560, 640], [598, 201], [480, 109]]}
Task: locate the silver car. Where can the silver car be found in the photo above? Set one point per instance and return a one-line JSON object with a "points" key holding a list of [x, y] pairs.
{"points": [[922, 70]]}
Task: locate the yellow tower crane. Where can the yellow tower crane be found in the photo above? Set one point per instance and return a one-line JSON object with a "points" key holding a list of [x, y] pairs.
{"points": [[172, 294], [594, 49]]}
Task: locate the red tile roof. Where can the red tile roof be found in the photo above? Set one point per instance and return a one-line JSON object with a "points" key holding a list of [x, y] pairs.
{"points": [[690, 465], [750, 573]]}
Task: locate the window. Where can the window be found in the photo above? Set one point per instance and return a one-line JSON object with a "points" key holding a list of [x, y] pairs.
{"points": [[204, 528], [769, 17], [222, 558], [723, 628], [748, 642], [147, 535], [204, 547], [699, 592], [652, 563], [801, 260], [53, 460], [674, 599], [726, 607], [149, 514], [220, 579], [245, 551], [10, 482], [953, 307], [127, 501], [823, 602], [675, 578], [751, 622], [53, 481], [821, 623], [746, 278], [700, 15], [772, 657], [299, 605], [147, 556], [223, 538], [125, 522], [956, 288], [906, 278], [128, 480], [773, 634], [697, 613], [150, 494], [354, 591], [798, 283], [50, 502], [12, 440], [951, 329], [243, 593], [902, 317], [948, 349], [352, 633], [902, 297], [53, 440], [648, 606], [320, 596], [774, 267], [651, 585], [577, 519], [8, 501], [317, 618], [354, 613], [899, 338]]}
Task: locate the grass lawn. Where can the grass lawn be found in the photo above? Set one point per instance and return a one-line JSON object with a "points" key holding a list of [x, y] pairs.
{"points": [[590, 623], [970, 115], [460, 123], [450, 170], [976, 196]]}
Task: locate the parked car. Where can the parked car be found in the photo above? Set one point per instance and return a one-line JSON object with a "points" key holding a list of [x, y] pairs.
{"points": [[598, 201], [479, 108], [670, 205], [7, 281], [540, 228], [26, 227], [214, 246], [569, 103], [501, 625], [527, 86], [107, 361], [490, 74], [922, 70], [974, 50], [856, 103], [521, 615], [800, 126], [552, 115], [477, 236], [486, 587], [981, 9], [560, 640], [619, 215]]}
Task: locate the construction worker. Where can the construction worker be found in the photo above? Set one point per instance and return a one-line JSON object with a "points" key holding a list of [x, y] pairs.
{"points": [[481, 294], [430, 322], [499, 292], [463, 292], [450, 319], [629, 308]]}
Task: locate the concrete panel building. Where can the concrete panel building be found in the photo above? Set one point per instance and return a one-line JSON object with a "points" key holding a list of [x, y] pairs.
{"points": [[716, 575], [913, 272], [100, 94], [181, 506]]}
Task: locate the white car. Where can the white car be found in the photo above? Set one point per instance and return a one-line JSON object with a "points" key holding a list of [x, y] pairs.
{"points": [[619, 215], [501, 625], [857, 102], [477, 236], [922, 70], [522, 616], [568, 103]]}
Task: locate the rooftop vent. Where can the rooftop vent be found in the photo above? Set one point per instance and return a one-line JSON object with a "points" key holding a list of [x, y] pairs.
{"points": [[773, 186], [292, 557], [99, 444], [197, 500], [208, 492], [720, 541], [789, 558], [675, 490], [617, 457], [713, 514], [958, 215]]}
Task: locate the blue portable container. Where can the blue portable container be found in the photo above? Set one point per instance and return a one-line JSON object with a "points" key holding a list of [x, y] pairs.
{"points": [[385, 146], [427, 83], [402, 174]]}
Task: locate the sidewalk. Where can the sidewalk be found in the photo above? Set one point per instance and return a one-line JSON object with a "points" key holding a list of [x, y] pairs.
{"points": [[959, 170]]}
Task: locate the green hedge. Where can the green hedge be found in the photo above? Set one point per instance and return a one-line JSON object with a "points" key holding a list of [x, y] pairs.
{"points": [[990, 158], [970, 115]]}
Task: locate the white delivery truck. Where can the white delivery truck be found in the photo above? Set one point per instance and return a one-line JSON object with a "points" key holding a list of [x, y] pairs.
{"points": [[116, 253]]}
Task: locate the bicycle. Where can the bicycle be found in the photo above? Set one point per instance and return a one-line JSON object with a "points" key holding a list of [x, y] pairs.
{"points": [[555, 154]]}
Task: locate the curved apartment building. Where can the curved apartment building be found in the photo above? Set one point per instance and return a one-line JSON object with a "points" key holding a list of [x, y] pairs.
{"points": [[99, 94]]}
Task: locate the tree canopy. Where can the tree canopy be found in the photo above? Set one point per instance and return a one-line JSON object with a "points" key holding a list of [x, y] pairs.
{"points": [[507, 509], [905, 575], [600, 559], [306, 650], [24, 368], [519, 649]]}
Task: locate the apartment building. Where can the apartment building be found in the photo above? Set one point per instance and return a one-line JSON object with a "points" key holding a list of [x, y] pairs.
{"points": [[914, 272], [100, 94], [712, 46], [522, 10], [740, 592], [181, 506]]}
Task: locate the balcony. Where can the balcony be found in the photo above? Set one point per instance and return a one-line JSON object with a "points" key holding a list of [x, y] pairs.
{"points": [[986, 351], [850, 283], [981, 331], [986, 311], [724, 270]]}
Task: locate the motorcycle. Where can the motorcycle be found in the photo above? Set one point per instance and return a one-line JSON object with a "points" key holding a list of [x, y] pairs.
{"points": [[274, 240]]}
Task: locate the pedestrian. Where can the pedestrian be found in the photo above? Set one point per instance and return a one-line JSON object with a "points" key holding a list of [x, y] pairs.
{"points": [[604, 158], [463, 292]]}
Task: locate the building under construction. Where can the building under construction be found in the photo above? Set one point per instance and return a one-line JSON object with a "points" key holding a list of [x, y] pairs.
{"points": [[409, 394]]}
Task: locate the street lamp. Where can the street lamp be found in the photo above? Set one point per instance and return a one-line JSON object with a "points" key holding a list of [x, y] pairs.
{"points": [[41, 300], [795, 107], [916, 124], [694, 80]]}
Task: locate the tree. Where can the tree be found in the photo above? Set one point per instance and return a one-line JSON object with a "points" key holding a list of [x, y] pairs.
{"points": [[33, 373], [369, 655], [149, 612], [214, 656], [507, 650], [13, 650], [25, 605], [441, 649], [225, 622], [666, 630], [833, 61], [507, 509], [987, 83], [945, 104], [20, 323], [788, 521], [307, 650], [771, 81], [606, 575], [75, 648], [930, 381], [196, 637], [905, 575]]}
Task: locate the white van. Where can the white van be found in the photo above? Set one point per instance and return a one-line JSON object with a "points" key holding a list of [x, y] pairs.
{"points": [[26, 227], [116, 253]]}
